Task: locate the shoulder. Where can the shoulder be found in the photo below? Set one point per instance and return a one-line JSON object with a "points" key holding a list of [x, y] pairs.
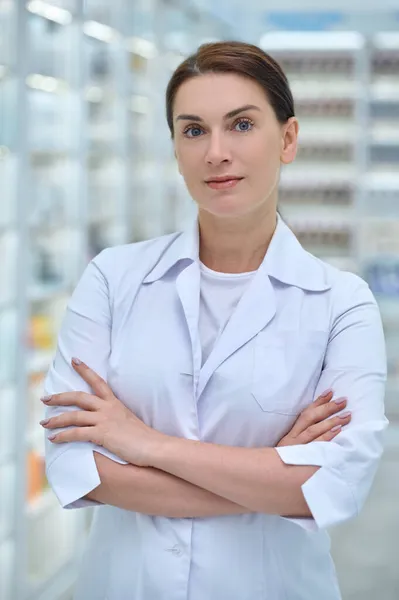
{"points": [[347, 289], [138, 257]]}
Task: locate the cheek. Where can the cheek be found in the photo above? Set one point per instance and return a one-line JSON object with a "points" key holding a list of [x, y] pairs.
{"points": [[183, 157], [265, 156], [189, 166]]}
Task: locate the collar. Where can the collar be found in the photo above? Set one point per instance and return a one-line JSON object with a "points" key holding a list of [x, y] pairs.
{"points": [[285, 260]]}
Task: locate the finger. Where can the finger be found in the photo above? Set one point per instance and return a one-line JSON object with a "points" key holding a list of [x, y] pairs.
{"points": [[323, 398], [329, 435], [78, 434], [320, 413], [316, 414], [81, 399], [301, 424], [97, 383], [79, 418], [314, 432]]}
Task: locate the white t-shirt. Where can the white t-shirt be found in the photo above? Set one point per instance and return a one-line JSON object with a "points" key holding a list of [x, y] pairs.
{"points": [[220, 294]]}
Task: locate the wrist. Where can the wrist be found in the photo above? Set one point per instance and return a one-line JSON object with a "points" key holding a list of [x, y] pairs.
{"points": [[159, 449], [163, 450]]}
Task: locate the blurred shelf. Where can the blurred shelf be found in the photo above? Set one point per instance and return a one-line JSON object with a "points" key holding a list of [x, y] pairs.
{"points": [[5, 536], [392, 438], [6, 460], [42, 504], [327, 213], [328, 89], [344, 263], [6, 304], [49, 11], [59, 585], [44, 293], [318, 221], [40, 361], [325, 42], [386, 40], [314, 176], [393, 385], [382, 181], [35, 437]]}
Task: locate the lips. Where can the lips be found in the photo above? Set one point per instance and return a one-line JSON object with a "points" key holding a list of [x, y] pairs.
{"points": [[223, 179], [222, 183]]}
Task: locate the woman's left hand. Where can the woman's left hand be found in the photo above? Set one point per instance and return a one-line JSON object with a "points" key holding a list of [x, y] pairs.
{"points": [[104, 421]]}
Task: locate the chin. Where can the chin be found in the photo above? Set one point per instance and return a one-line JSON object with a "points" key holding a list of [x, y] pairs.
{"points": [[226, 207]]}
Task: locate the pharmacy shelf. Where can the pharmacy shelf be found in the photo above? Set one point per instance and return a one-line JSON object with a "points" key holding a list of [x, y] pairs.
{"points": [[60, 586], [41, 505], [319, 193]]}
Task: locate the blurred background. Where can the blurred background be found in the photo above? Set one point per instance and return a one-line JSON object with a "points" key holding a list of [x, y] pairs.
{"points": [[86, 162]]}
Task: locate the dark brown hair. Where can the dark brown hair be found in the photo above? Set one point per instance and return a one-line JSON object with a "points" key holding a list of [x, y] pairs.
{"points": [[243, 59]]}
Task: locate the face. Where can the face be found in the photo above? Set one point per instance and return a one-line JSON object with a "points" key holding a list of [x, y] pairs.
{"points": [[229, 144]]}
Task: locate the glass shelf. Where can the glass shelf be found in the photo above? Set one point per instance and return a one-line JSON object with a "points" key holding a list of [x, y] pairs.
{"points": [[8, 403], [7, 551], [7, 23], [51, 541], [8, 342], [50, 132], [7, 486], [50, 47]]}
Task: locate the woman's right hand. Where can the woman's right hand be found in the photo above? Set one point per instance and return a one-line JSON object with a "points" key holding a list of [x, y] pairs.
{"points": [[316, 422]]}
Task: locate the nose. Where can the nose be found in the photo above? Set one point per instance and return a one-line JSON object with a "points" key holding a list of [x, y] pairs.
{"points": [[217, 151]]}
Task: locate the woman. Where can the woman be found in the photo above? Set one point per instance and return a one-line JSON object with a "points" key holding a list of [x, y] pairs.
{"points": [[197, 352]]}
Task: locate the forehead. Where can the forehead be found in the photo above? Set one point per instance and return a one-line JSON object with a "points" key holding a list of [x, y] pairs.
{"points": [[217, 94]]}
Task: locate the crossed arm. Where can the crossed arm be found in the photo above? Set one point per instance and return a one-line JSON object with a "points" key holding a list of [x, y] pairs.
{"points": [[155, 492], [197, 479], [159, 492], [177, 477]]}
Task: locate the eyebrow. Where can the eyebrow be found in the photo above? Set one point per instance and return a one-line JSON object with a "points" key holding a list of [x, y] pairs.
{"points": [[229, 115]]}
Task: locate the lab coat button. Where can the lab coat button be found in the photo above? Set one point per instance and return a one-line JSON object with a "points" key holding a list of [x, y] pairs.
{"points": [[176, 550]]}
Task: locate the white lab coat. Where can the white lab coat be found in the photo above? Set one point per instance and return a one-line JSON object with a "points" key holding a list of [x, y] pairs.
{"points": [[301, 327]]}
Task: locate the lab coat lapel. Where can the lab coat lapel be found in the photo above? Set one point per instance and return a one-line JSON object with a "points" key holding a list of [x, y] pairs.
{"points": [[254, 311], [188, 289]]}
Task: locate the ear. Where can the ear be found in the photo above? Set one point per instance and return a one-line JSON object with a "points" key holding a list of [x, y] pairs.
{"points": [[289, 141]]}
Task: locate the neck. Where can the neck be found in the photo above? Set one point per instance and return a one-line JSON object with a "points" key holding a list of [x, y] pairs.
{"points": [[235, 245]]}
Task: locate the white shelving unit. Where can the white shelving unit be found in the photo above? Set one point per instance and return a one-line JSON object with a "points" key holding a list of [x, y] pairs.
{"points": [[81, 168], [380, 228], [8, 298], [319, 192]]}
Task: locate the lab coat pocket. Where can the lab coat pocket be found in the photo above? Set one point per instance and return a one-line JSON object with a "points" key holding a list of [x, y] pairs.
{"points": [[287, 367]]}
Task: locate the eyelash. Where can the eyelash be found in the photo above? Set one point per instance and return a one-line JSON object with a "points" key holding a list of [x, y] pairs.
{"points": [[240, 120]]}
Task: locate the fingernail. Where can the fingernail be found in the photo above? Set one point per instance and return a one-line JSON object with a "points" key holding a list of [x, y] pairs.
{"points": [[44, 422], [46, 398], [340, 401], [52, 436], [324, 394], [344, 415], [77, 361], [336, 428]]}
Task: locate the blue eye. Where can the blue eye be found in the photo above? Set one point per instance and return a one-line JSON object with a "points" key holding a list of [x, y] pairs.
{"points": [[193, 131], [243, 125]]}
